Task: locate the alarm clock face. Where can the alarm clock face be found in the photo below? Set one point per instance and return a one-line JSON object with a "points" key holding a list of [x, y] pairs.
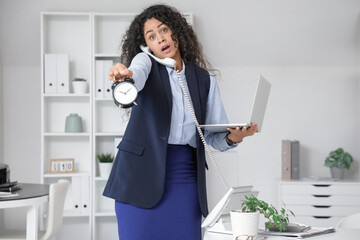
{"points": [[125, 93]]}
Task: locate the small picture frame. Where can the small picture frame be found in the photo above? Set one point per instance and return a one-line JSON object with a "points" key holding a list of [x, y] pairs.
{"points": [[62, 165]]}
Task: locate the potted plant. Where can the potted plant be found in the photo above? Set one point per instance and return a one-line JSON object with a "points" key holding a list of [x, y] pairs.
{"points": [[79, 85], [338, 160], [245, 222], [105, 164]]}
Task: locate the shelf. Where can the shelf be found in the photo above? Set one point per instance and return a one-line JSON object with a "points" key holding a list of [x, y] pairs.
{"points": [[104, 214], [61, 175], [107, 55], [63, 134], [104, 99], [101, 179], [109, 134], [66, 95], [69, 213]]}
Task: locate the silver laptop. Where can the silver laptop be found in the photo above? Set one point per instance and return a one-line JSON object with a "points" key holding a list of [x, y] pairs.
{"points": [[257, 111]]}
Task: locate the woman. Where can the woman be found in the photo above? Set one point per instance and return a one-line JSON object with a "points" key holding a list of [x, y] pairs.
{"points": [[158, 177]]}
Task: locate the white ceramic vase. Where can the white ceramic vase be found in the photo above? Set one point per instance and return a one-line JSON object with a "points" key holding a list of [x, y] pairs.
{"points": [[244, 224], [105, 169], [80, 87]]}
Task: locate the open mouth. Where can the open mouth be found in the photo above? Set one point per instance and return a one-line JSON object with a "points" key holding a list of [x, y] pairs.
{"points": [[165, 48]]}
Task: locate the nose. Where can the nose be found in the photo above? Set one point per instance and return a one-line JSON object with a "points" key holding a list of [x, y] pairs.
{"points": [[160, 38]]}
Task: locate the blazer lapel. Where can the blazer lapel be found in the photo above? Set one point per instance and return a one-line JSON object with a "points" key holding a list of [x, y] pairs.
{"points": [[166, 84], [193, 86]]}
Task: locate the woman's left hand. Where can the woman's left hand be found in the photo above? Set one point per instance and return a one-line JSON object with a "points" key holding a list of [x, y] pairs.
{"points": [[236, 135]]}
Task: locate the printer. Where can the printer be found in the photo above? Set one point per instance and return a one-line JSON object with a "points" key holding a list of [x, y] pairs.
{"points": [[4, 173], [218, 221]]}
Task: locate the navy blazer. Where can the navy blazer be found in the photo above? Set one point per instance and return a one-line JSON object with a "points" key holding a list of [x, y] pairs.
{"points": [[138, 174]]}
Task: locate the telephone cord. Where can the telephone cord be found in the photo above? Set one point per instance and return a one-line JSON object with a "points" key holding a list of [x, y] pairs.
{"points": [[200, 132]]}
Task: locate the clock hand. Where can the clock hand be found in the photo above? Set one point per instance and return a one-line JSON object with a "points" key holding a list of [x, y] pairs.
{"points": [[127, 91]]}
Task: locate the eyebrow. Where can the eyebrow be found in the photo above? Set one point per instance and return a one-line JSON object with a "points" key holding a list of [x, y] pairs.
{"points": [[152, 30]]}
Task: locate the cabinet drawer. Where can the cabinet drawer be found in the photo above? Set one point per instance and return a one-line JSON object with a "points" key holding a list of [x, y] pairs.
{"points": [[321, 199], [321, 189], [322, 211], [317, 221]]}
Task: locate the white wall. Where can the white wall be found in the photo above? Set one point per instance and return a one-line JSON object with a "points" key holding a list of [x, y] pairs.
{"points": [[308, 50], [1, 130]]}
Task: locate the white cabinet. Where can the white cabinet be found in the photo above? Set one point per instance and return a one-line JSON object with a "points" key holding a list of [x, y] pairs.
{"points": [[82, 42], [320, 204]]}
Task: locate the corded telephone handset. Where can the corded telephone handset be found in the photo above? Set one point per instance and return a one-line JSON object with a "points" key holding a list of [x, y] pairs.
{"points": [[169, 62]]}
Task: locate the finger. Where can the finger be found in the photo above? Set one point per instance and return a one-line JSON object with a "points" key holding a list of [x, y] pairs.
{"points": [[230, 129], [111, 75]]}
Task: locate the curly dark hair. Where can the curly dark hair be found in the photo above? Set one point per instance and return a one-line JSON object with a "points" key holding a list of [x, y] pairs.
{"points": [[182, 33]]}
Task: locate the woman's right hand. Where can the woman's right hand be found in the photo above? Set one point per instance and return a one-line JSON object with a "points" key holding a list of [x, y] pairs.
{"points": [[119, 72]]}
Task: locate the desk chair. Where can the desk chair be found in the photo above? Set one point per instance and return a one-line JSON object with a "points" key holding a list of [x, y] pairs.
{"points": [[352, 221], [57, 195]]}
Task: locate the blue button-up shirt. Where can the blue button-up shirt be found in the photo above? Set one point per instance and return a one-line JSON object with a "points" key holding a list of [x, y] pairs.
{"points": [[182, 129]]}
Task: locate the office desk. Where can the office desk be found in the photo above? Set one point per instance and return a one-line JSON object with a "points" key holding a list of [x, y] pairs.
{"points": [[30, 196], [340, 234]]}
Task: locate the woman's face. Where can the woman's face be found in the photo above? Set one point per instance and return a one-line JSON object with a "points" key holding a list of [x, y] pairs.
{"points": [[158, 38]]}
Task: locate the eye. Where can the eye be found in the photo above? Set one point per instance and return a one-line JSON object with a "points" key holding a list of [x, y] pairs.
{"points": [[152, 37], [164, 30]]}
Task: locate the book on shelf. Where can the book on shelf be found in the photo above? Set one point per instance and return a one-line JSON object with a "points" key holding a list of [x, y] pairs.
{"points": [[290, 159]]}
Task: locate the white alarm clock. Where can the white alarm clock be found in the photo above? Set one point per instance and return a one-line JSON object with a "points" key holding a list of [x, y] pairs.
{"points": [[125, 93]]}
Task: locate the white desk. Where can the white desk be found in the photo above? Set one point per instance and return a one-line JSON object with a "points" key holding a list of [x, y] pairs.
{"points": [[30, 196], [340, 234]]}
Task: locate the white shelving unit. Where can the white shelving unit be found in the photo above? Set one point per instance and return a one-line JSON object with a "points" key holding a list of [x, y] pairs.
{"points": [[68, 33], [85, 38]]}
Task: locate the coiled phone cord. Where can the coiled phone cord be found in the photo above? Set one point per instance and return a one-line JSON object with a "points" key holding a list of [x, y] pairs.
{"points": [[199, 131]]}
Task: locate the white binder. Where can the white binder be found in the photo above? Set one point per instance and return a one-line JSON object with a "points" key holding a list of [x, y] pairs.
{"points": [[85, 194], [107, 83], [76, 194], [62, 73], [99, 74], [50, 73]]}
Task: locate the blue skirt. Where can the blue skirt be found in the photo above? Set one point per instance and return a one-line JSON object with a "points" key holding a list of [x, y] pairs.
{"points": [[177, 216]]}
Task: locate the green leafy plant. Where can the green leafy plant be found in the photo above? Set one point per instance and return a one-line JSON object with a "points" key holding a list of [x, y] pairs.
{"points": [[105, 158], [276, 220], [79, 80], [339, 158]]}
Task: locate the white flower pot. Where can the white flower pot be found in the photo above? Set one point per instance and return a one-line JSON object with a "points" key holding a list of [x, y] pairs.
{"points": [[105, 169], [244, 224], [337, 173], [80, 87]]}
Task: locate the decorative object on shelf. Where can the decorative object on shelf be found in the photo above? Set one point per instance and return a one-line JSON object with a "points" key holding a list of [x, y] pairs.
{"points": [[73, 123], [105, 164], [79, 85], [62, 165], [338, 160], [245, 222]]}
